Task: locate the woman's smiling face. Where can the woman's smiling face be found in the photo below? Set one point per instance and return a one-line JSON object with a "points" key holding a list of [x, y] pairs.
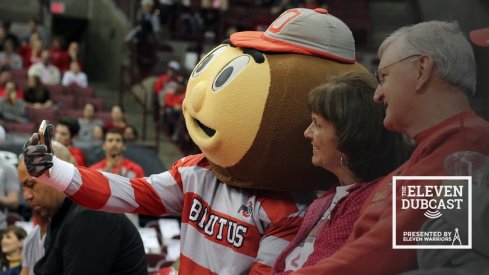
{"points": [[322, 134]]}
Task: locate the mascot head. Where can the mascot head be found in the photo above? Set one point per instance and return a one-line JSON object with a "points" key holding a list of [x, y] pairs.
{"points": [[246, 101]]}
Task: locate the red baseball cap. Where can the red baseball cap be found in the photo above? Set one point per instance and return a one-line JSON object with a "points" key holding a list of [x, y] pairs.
{"points": [[480, 37], [304, 31]]}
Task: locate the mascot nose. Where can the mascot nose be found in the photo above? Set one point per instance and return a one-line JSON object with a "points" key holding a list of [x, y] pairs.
{"points": [[197, 96]]}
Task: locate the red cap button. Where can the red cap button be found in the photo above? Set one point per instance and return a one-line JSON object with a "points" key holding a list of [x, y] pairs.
{"points": [[321, 10]]}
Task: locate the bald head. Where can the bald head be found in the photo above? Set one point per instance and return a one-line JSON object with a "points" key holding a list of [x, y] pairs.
{"points": [[61, 152]]}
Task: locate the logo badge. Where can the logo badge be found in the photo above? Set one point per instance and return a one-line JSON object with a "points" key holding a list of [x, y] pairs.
{"points": [[246, 209], [445, 202]]}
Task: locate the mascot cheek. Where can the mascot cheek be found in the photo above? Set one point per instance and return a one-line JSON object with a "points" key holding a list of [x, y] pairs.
{"points": [[224, 105]]}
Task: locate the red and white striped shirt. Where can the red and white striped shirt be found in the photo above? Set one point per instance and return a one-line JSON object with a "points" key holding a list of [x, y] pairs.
{"points": [[225, 230]]}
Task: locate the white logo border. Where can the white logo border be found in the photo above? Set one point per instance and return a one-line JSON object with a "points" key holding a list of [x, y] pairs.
{"points": [[395, 178]]}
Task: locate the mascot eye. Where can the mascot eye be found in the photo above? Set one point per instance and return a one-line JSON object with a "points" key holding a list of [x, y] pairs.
{"points": [[203, 64], [230, 71]]}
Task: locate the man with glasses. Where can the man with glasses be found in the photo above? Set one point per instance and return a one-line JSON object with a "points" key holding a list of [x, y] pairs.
{"points": [[426, 74]]}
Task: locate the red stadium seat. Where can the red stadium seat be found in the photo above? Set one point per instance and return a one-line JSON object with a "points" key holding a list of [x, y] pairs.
{"points": [[38, 115]]}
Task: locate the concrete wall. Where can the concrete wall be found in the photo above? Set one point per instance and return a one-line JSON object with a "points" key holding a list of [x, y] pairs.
{"points": [[18, 10], [104, 45]]}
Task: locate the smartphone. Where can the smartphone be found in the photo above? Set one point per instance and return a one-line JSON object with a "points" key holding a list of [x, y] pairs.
{"points": [[42, 134], [42, 131]]}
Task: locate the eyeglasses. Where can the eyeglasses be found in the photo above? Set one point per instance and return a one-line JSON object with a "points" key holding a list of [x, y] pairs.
{"points": [[378, 74]]}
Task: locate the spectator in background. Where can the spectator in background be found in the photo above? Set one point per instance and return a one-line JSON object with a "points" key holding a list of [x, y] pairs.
{"points": [[5, 75], [148, 20], [12, 242], [31, 52], [59, 56], [13, 108], [171, 73], [5, 35], [88, 122], [130, 134], [115, 162], [3, 136], [160, 87], [34, 242], [98, 134], [74, 76], [74, 53], [143, 41], [5, 78], [36, 95], [9, 186], [65, 131], [9, 57], [118, 119], [174, 94], [49, 74], [96, 151], [168, 11], [33, 28], [78, 240]]}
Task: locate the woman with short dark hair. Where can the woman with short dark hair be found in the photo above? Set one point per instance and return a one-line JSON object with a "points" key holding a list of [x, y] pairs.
{"points": [[349, 140]]}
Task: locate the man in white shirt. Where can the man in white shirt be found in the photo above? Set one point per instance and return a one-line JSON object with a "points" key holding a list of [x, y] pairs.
{"points": [[9, 187], [75, 76], [34, 245], [48, 73]]}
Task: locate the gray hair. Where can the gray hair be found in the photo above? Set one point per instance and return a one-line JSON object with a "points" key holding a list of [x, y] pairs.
{"points": [[452, 54]]}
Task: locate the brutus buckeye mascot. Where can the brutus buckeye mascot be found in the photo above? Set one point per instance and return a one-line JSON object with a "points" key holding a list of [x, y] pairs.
{"points": [[246, 109]]}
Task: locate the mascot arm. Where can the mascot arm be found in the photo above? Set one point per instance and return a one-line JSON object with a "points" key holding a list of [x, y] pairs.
{"points": [[157, 195], [281, 220]]}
